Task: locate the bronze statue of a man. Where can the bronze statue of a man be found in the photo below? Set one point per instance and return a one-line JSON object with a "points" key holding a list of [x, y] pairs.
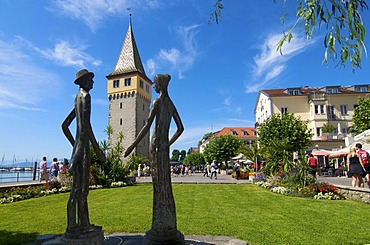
{"points": [[164, 227], [80, 160]]}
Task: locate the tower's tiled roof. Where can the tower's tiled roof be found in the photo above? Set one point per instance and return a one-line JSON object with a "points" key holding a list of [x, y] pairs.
{"points": [[129, 58]]}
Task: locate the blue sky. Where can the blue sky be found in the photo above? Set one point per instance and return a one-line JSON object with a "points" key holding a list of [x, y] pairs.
{"points": [[217, 70]]}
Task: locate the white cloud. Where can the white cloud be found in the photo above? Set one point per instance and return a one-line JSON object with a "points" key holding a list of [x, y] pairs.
{"points": [[94, 12], [18, 73], [66, 54], [227, 101], [269, 63], [179, 59]]}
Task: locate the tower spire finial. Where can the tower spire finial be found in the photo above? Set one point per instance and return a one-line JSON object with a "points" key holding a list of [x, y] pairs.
{"points": [[130, 14]]}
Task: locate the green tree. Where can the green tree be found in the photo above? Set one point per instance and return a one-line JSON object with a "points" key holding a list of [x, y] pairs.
{"points": [[341, 18], [205, 137], [328, 128], [361, 117], [281, 135], [113, 168], [194, 159], [175, 155], [252, 152], [222, 148], [134, 161]]}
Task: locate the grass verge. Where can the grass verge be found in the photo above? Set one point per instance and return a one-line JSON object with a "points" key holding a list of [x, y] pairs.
{"points": [[247, 212]]}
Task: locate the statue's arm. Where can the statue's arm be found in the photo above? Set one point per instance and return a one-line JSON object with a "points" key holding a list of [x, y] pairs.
{"points": [[65, 126], [143, 131], [180, 127]]}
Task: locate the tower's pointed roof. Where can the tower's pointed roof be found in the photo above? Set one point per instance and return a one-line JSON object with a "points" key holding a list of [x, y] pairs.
{"points": [[129, 58]]}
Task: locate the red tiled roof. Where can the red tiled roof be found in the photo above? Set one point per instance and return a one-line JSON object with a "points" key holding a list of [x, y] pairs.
{"points": [[305, 91], [244, 133]]}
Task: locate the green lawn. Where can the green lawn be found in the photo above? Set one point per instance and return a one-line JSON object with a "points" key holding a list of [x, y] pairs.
{"points": [[246, 212]]}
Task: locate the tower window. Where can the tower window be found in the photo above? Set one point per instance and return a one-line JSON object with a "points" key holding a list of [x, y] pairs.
{"points": [[127, 82], [120, 105], [120, 121], [143, 107], [115, 83], [141, 83], [147, 88]]}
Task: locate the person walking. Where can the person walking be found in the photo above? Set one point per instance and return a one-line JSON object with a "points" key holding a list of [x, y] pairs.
{"points": [[237, 170], [312, 162], [54, 169], [213, 169], [44, 175], [365, 161], [356, 168], [206, 170]]}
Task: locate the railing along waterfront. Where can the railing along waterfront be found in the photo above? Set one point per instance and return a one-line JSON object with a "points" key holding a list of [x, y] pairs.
{"points": [[18, 174]]}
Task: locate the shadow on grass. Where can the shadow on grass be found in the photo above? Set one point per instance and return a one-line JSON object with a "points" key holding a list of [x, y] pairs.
{"points": [[16, 238], [138, 239]]}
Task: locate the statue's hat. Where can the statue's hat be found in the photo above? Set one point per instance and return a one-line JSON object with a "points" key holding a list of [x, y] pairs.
{"points": [[82, 74]]}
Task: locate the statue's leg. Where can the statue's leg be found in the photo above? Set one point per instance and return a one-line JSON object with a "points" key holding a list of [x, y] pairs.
{"points": [[71, 210], [83, 210]]}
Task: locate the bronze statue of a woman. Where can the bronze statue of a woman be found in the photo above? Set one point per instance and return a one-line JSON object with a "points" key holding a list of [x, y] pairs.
{"points": [[164, 227]]}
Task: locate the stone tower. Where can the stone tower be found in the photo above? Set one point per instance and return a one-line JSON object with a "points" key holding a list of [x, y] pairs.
{"points": [[129, 94]]}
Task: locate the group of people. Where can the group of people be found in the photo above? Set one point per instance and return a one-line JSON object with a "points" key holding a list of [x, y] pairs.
{"points": [[210, 170], [143, 170], [51, 173], [357, 162], [358, 166], [182, 169]]}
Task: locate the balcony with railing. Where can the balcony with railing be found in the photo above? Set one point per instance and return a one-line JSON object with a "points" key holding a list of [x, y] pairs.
{"points": [[317, 97]]}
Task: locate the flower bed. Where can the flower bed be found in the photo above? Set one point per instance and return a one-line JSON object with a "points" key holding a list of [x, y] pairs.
{"points": [[51, 187], [286, 185]]}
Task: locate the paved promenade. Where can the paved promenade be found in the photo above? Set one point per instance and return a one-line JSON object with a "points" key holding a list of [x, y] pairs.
{"points": [[196, 178]]}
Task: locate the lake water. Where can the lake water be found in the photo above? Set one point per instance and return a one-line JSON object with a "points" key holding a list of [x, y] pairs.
{"points": [[16, 176]]}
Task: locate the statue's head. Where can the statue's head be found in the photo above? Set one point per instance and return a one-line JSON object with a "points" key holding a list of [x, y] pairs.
{"points": [[83, 77], [161, 82]]}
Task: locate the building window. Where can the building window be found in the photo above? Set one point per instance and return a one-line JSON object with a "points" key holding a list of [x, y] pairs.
{"points": [[143, 107], [362, 89], [234, 132], [332, 90], [344, 110], [120, 121], [141, 84], [330, 110], [245, 132], [147, 88], [294, 92], [115, 83], [319, 109], [318, 132], [284, 110], [120, 105], [127, 82]]}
